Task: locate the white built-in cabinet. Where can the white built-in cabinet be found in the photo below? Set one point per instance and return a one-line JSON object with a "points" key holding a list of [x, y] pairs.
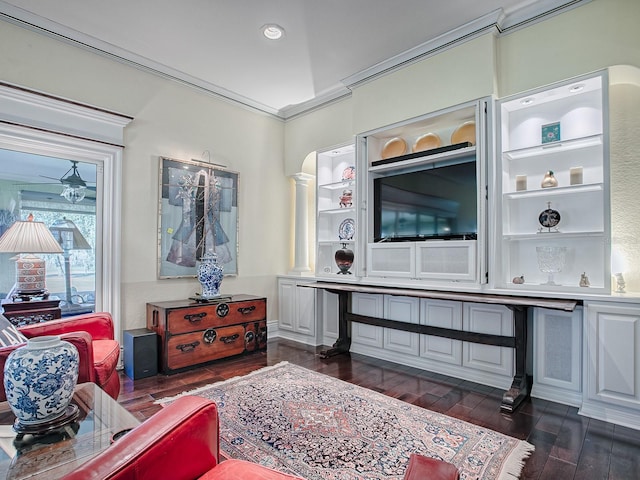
{"points": [[557, 355], [488, 364], [557, 131], [297, 319], [612, 363], [586, 358]]}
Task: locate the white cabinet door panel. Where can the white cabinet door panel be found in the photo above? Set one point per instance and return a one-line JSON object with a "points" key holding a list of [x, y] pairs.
{"points": [[613, 363], [444, 314], [306, 311], [402, 309], [492, 319], [372, 306], [287, 297]]}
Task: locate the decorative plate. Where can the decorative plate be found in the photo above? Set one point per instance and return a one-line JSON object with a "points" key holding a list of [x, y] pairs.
{"points": [[549, 218], [349, 173], [394, 148], [347, 229], [464, 133], [427, 142]]}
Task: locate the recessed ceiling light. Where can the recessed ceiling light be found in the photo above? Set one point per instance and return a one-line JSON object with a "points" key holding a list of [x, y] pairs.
{"points": [[527, 101], [272, 31], [577, 88]]}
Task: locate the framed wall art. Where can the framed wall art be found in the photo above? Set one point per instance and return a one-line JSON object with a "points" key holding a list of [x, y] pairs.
{"points": [[198, 213]]}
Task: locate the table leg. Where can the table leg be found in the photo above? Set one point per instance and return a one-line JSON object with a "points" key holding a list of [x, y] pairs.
{"points": [[520, 387], [343, 343]]}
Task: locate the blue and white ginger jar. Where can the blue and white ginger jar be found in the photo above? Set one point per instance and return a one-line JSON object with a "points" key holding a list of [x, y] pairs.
{"points": [[39, 379], [210, 275]]}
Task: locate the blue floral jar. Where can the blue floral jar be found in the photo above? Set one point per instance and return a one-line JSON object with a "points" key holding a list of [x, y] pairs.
{"points": [[39, 379], [210, 275]]}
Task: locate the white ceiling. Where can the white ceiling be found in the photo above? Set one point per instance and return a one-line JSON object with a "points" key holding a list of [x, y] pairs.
{"points": [[217, 45]]}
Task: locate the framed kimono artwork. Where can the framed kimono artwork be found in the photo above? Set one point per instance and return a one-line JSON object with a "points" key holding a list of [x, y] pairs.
{"points": [[198, 213]]}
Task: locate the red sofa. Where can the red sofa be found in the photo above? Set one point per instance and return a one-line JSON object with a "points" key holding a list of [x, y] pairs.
{"points": [[181, 443], [93, 336]]}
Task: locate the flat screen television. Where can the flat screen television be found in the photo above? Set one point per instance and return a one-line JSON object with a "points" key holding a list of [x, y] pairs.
{"points": [[437, 202]]}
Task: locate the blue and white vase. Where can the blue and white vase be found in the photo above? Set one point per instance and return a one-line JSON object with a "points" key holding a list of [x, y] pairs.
{"points": [[210, 275], [39, 379]]}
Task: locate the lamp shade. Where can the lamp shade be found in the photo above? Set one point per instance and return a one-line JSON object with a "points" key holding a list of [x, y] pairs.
{"points": [[29, 237], [68, 235]]}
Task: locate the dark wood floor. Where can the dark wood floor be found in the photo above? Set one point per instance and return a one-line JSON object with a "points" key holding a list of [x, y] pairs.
{"points": [[568, 446]]}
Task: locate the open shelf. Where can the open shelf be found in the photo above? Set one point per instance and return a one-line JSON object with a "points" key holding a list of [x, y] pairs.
{"points": [[554, 147]]}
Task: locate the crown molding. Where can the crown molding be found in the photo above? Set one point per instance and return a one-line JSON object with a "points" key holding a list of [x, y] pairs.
{"points": [[498, 21]]}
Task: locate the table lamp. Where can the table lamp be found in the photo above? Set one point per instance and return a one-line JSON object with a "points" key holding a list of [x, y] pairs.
{"points": [[69, 237], [26, 238]]}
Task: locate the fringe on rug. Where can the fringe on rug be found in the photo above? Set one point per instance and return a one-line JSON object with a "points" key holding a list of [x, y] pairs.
{"points": [[195, 391], [514, 463]]}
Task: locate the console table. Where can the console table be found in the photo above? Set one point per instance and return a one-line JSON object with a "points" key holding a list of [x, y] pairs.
{"points": [[518, 305]]}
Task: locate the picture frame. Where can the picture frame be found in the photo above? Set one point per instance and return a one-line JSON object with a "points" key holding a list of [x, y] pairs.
{"points": [[197, 213], [551, 132]]}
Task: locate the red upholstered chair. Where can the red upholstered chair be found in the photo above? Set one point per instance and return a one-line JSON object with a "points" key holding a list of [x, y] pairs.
{"points": [[93, 336], [423, 468]]}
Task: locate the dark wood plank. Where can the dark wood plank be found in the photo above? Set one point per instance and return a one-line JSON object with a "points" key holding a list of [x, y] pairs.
{"points": [[568, 445]]}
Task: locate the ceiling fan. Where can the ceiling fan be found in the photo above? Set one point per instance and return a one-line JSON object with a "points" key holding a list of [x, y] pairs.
{"points": [[75, 188]]}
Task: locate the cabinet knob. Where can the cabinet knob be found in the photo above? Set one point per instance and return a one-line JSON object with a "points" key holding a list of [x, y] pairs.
{"points": [[246, 310], [195, 317], [222, 310], [187, 347]]}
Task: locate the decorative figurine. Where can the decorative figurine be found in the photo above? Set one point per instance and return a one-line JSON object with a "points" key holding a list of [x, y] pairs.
{"points": [[549, 180], [346, 198], [584, 280], [349, 174], [518, 280]]}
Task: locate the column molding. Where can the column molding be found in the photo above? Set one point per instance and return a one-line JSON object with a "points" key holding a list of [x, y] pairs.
{"points": [[301, 227]]}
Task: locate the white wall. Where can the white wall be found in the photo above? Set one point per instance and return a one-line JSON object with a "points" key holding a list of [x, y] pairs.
{"points": [[179, 122]]}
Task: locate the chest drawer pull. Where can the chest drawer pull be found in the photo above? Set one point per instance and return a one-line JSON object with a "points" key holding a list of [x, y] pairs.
{"points": [[195, 317], [247, 310], [230, 339], [187, 347]]}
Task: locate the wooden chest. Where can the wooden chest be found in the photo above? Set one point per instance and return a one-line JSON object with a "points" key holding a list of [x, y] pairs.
{"points": [[192, 334]]}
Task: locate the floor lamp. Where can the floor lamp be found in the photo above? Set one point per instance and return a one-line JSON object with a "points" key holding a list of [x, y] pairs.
{"points": [[69, 238]]}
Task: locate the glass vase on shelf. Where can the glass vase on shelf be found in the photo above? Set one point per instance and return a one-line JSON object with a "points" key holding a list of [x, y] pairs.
{"points": [[551, 260]]}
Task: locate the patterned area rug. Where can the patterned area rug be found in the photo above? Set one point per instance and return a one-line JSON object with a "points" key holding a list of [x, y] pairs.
{"points": [[320, 428]]}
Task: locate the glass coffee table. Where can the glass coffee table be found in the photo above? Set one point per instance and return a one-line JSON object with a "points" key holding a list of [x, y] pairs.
{"points": [[62, 450]]}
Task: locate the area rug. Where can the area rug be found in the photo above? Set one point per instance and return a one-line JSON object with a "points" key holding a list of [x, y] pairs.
{"points": [[320, 428]]}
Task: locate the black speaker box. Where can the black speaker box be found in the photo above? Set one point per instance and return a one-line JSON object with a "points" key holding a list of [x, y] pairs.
{"points": [[140, 353]]}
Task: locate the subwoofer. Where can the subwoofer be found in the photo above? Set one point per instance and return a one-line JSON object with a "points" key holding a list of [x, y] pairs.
{"points": [[140, 353]]}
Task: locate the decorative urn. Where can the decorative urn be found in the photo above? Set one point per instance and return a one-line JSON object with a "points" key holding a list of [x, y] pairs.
{"points": [[39, 379], [549, 180], [210, 275], [344, 259]]}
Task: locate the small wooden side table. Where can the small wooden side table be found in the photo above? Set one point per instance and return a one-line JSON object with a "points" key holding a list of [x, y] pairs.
{"points": [[35, 311]]}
